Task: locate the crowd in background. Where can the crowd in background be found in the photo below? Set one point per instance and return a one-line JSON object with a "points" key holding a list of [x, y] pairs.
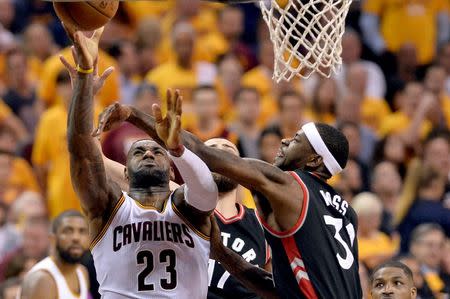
{"points": [[391, 99]]}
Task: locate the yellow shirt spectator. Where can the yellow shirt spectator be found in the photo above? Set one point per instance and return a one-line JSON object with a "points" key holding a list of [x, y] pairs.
{"points": [[397, 122], [21, 179], [378, 245], [140, 10], [204, 22], [50, 150], [374, 112], [408, 21], [52, 66]]}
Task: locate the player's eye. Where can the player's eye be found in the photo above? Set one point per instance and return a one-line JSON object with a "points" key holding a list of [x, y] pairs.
{"points": [[379, 285], [398, 283]]}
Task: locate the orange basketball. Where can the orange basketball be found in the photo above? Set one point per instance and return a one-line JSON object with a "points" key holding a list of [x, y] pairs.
{"points": [[86, 15]]}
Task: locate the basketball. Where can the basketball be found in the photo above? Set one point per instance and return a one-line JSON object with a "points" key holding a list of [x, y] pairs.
{"points": [[86, 15]]}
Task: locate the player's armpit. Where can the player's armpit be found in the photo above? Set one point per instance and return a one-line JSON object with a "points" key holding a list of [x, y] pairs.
{"points": [[39, 285]]}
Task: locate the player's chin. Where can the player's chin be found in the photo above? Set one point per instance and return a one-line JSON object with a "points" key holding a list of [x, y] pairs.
{"points": [[278, 161]]}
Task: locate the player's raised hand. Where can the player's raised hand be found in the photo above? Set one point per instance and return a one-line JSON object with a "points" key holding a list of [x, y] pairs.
{"points": [[86, 48], [113, 116], [217, 250], [168, 128], [99, 81]]}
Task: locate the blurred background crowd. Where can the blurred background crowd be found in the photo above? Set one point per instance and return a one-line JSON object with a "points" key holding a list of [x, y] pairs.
{"points": [[391, 99]]}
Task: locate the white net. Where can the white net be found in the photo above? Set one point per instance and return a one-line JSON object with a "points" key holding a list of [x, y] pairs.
{"points": [[306, 35]]}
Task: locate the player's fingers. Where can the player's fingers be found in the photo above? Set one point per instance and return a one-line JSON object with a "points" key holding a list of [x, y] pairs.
{"points": [[157, 113], [177, 97], [179, 105], [79, 44], [106, 74], [66, 64], [96, 66], [74, 54], [169, 99], [177, 126]]}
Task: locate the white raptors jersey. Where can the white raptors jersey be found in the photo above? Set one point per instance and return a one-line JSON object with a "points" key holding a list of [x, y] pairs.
{"points": [[142, 253], [64, 291]]}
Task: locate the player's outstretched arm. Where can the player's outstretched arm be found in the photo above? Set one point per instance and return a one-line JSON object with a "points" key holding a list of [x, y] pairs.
{"points": [[252, 174], [254, 278], [97, 194]]}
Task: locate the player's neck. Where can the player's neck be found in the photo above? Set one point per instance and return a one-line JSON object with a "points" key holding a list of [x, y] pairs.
{"points": [[63, 266], [154, 196], [227, 204]]}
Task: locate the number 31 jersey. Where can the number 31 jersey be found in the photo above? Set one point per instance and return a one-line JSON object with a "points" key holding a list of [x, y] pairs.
{"points": [[318, 257], [143, 253]]}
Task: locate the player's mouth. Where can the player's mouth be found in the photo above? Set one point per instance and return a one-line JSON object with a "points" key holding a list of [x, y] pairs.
{"points": [[280, 154], [76, 250]]}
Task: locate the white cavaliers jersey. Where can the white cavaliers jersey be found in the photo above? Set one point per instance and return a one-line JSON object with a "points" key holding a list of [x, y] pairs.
{"points": [[64, 291], [143, 253]]}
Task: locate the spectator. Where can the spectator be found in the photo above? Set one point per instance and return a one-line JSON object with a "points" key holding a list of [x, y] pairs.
{"points": [[269, 143], [20, 93], [118, 141], [374, 246], [229, 83], [50, 155], [39, 46], [426, 203], [324, 99], [183, 73], [148, 50], [434, 81], [9, 235], [247, 103], [227, 38], [350, 180], [291, 106], [375, 87], [386, 183], [444, 61], [348, 109], [124, 52], [208, 123], [427, 245], [373, 110], [387, 25], [34, 247], [423, 290], [11, 122]]}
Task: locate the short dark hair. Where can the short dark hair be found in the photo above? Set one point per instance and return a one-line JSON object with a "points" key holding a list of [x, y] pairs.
{"points": [[241, 90], [392, 264], [436, 134], [286, 94], [272, 130], [58, 220], [335, 141], [423, 229]]}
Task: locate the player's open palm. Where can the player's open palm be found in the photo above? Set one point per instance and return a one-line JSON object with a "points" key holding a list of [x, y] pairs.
{"points": [[168, 128]]}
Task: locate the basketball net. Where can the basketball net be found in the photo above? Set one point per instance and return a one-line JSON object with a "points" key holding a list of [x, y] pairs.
{"points": [[306, 36]]}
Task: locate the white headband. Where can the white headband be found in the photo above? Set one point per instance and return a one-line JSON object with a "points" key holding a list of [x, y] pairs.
{"points": [[321, 149]]}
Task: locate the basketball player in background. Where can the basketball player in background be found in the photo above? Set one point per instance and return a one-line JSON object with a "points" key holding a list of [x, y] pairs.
{"points": [[392, 280], [240, 232], [61, 275], [310, 228], [149, 242]]}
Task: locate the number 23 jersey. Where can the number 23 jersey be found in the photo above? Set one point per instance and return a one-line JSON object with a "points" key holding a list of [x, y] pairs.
{"points": [[318, 257], [143, 253]]}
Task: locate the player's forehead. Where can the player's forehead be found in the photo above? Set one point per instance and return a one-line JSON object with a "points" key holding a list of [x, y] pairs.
{"points": [[222, 144], [145, 144], [389, 273], [75, 222]]}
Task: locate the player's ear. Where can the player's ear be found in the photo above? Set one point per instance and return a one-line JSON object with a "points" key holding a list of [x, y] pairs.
{"points": [[314, 161], [52, 238], [413, 293]]}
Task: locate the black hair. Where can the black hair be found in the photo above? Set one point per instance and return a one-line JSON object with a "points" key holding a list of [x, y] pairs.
{"points": [[272, 130], [436, 134], [286, 94], [58, 220], [63, 77], [335, 141], [241, 90], [116, 49], [392, 264]]}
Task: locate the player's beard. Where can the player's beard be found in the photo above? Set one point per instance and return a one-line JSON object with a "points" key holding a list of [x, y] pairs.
{"points": [[67, 257], [145, 178], [224, 184]]}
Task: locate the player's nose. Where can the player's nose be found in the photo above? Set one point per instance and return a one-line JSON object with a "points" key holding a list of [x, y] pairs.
{"points": [[149, 154]]}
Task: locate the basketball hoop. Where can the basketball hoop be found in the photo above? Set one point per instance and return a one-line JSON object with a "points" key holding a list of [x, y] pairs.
{"points": [[306, 36]]}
